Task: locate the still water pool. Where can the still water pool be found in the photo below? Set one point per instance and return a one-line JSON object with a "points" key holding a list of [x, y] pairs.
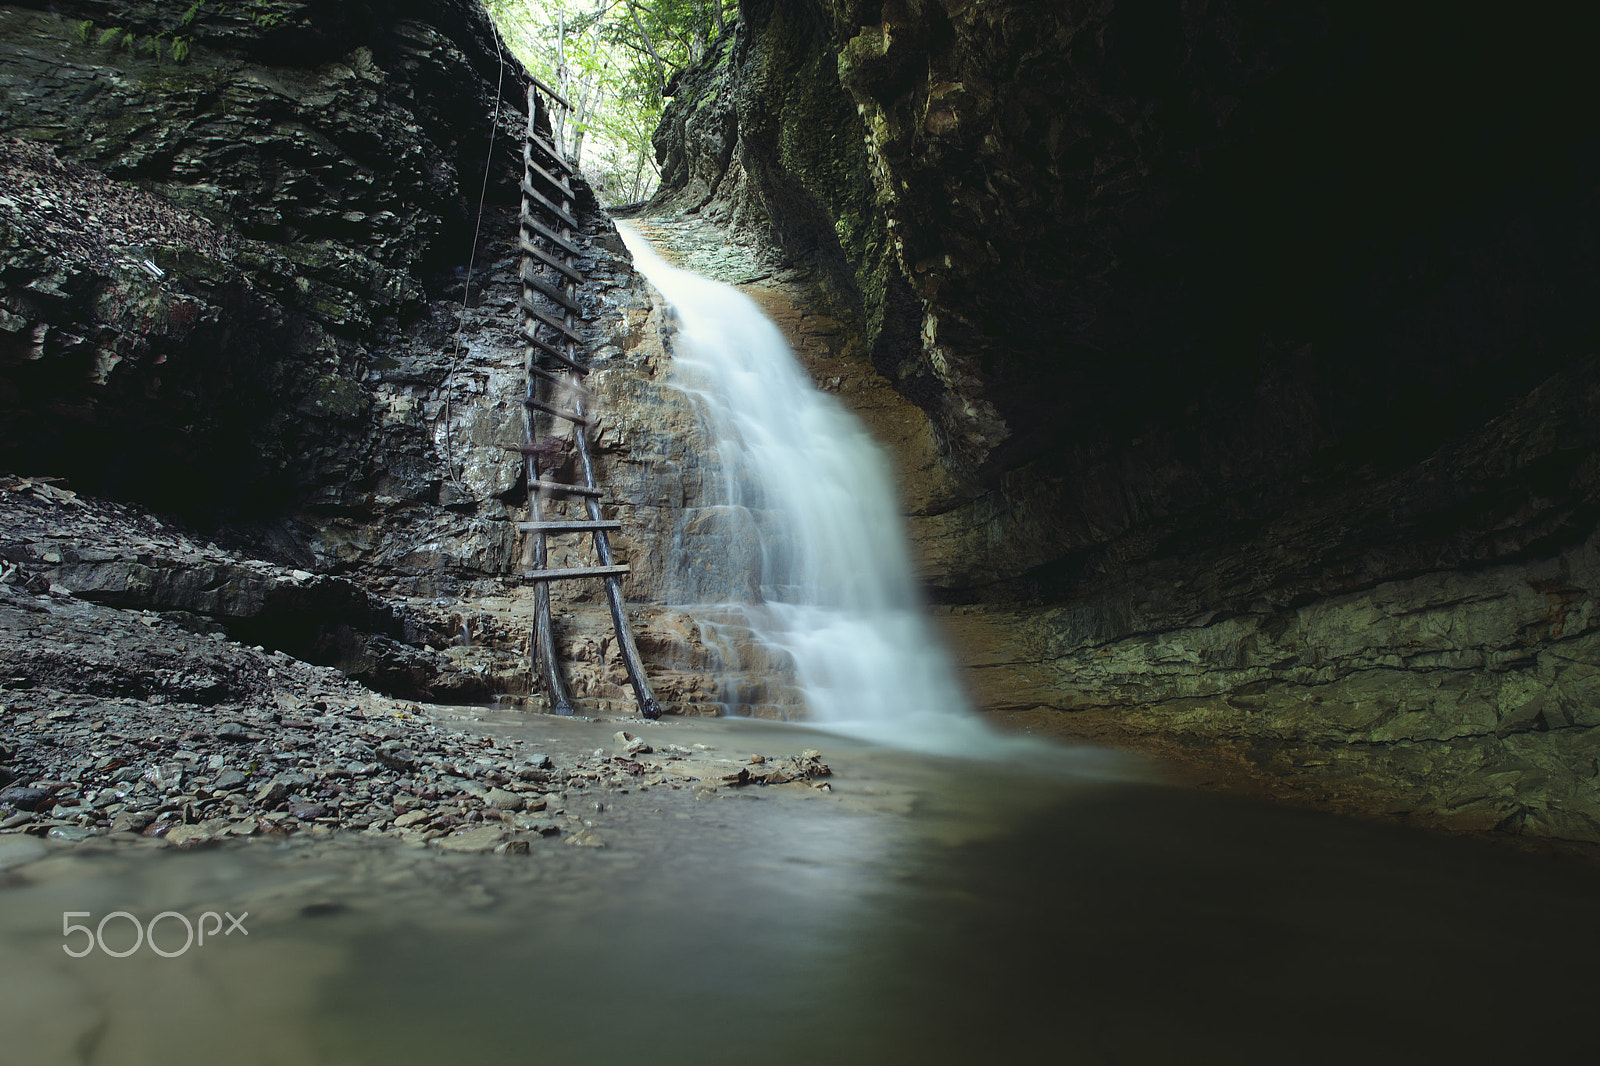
{"points": [[1062, 907]]}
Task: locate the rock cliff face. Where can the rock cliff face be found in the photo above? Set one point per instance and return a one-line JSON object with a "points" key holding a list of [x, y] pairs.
{"points": [[1239, 358], [227, 295], [1256, 346], [234, 291], [290, 194]]}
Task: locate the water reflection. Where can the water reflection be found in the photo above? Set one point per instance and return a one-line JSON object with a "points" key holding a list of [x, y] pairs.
{"points": [[928, 911]]}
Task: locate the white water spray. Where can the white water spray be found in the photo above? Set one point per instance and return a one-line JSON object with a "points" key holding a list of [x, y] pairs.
{"points": [[800, 476]]}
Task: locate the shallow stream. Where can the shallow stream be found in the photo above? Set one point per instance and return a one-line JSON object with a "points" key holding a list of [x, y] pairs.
{"points": [[1059, 906]]}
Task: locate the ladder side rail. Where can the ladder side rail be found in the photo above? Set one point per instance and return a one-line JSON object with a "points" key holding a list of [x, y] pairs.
{"points": [[631, 662], [543, 650]]}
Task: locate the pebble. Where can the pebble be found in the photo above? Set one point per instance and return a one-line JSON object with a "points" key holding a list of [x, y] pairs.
{"points": [[501, 800], [397, 757], [317, 756], [166, 776], [306, 811], [473, 840], [631, 744], [278, 789], [131, 821], [69, 834], [188, 836], [22, 798]]}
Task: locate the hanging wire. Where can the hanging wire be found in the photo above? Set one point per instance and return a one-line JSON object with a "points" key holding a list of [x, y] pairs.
{"points": [[457, 355]]}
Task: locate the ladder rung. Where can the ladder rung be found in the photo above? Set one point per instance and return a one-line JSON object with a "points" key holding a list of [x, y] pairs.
{"points": [[549, 234], [563, 488], [550, 152], [551, 93], [568, 527], [556, 182], [550, 261], [555, 377], [549, 205], [555, 412], [574, 571], [550, 320], [553, 352], [554, 293]]}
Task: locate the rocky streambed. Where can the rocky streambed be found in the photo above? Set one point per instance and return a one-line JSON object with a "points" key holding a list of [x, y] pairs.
{"points": [[314, 755], [131, 708]]}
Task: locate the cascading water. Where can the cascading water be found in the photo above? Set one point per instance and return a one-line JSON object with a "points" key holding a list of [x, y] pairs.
{"points": [[827, 578]]}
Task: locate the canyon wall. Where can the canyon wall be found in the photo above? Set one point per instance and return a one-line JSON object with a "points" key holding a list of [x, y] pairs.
{"points": [[235, 294], [1253, 346], [1239, 358]]}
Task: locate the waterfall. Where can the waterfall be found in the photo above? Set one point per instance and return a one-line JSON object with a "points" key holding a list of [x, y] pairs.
{"points": [[812, 557]]}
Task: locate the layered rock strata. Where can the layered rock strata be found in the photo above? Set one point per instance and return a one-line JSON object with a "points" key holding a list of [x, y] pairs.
{"points": [[1256, 346], [236, 292]]}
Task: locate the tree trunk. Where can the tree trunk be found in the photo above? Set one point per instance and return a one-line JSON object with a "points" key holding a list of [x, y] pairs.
{"points": [[650, 46], [558, 127]]}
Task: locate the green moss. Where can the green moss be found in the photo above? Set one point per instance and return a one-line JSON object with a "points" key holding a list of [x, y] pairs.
{"points": [[338, 398], [822, 144], [170, 82], [185, 262]]}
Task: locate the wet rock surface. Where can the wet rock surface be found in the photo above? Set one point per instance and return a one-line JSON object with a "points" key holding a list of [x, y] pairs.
{"points": [[123, 724], [1152, 481], [1212, 351], [236, 291], [254, 224], [90, 551], [906, 863]]}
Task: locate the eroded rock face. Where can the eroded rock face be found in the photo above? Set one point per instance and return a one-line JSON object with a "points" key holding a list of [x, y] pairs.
{"points": [[202, 281], [1255, 342], [234, 290]]}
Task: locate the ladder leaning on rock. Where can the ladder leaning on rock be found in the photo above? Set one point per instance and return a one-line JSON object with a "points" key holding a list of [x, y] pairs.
{"points": [[555, 363]]}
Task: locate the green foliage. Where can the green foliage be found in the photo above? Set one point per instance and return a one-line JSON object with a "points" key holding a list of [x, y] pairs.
{"points": [[121, 37], [614, 60]]}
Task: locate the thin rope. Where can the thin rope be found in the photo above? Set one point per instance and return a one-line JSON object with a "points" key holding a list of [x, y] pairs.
{"points": [[472, 261]]}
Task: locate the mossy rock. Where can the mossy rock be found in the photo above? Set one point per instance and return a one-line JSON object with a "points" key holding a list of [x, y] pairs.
{"points": [[336, 398]]}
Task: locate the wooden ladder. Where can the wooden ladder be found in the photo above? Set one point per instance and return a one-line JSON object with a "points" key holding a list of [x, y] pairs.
{"points": [[550, 237]]}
